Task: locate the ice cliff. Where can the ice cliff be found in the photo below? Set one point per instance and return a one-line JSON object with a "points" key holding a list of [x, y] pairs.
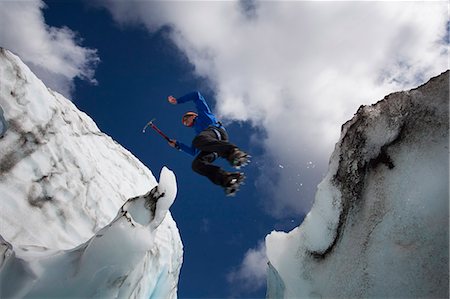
{"points": [[80, 215], [379, 226]]}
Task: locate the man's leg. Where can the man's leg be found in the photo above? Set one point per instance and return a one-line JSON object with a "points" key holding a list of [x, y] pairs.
{"points": [[202, 165], [207, 141]]}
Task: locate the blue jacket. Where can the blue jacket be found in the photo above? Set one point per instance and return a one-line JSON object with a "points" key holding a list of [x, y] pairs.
{"points": [[204, 119]]}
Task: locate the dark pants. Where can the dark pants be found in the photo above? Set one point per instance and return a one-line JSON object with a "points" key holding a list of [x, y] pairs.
{"points": [[211, 147]]}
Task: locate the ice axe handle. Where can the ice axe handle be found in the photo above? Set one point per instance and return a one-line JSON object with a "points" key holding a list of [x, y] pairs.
{"points": [[150, 123], [159, 131]]}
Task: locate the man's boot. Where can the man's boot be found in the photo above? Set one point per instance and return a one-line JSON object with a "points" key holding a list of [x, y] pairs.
{"points": [[232, 182], [238, 158]]}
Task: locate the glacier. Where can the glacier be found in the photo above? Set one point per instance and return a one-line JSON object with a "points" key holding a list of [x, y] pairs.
{"points": [[80, 215], [379, 226]]}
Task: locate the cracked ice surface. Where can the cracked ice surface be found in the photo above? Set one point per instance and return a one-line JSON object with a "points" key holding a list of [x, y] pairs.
{"points": [[125, 259], [379, 223], [62, 183], [55, 159]]}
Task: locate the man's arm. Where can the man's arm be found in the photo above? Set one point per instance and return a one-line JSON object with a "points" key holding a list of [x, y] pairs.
{"points": [[183, 147], [196, 97]]}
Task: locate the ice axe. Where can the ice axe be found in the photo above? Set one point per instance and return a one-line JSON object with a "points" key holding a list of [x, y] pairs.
{"points": [[154, 127]]}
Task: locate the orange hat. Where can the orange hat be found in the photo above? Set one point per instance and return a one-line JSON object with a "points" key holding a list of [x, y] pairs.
{"points": [[188, 114]]}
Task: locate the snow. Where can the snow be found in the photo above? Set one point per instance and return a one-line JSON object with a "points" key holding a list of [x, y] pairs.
{"points": [[81, 216], [379, 224]]}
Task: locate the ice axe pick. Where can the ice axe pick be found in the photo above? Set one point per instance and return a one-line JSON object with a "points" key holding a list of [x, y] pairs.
{"points": [[154, 127]]}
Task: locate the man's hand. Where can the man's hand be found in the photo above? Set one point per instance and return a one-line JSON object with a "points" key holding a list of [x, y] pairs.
{"points": [[173, 143], [172, 100]]}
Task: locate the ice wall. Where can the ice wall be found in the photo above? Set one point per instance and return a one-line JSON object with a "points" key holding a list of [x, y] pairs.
{"points": [[379, 226], [74, 221]]}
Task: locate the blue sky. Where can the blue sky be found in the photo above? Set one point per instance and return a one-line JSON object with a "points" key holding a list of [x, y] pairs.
{"points": [[134, 80], [283, 76]]}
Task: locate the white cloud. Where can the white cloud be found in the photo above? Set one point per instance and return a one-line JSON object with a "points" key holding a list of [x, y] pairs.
{"points": [[300, 69], [251, 274], [54, 54]]}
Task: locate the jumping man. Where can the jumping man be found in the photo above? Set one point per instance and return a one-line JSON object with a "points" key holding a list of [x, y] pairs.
{"points": [[210, 143]]}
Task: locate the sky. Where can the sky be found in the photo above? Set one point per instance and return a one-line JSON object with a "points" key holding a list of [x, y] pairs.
{"points": [[282, 76]]}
